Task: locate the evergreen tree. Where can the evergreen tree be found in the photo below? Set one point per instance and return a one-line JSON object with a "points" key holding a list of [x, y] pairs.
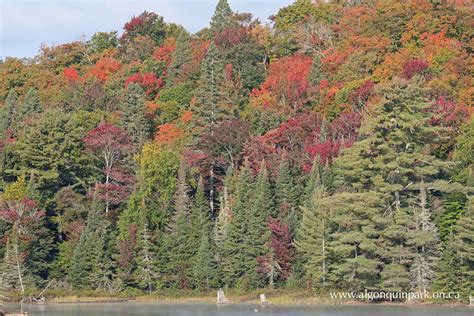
{"points": [[8, 111], [313, 237], [92, 267], [222, 17], [208, 93], [146, 274], [181, 58], [30, 105], [393, 161], [465, 241], [286, 196], [353, 242], [3, 285], [135, 120], [208, 109], [450, 276], [199, 217], [259, 210], [204, 269], [235, 261]]}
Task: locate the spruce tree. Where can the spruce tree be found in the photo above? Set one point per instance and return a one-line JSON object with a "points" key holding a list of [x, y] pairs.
{"points": [[199, 217], [181, 244], [8, 111], [286, 196], [222, 17], [180, 58], [208, 110], [235, 262], [146, 274], [92, 266], [204, 269], [450, 275], [30, 105], [259, 210], [465, 241], [208, 93], [313, 237], [135, 120]]}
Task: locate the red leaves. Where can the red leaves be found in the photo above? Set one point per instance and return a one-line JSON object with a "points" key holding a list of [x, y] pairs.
{"points": [[230, 37], [126, 247], [414, 67], [282, 251], [163, 53], [280, 243], [287, 79], [105, 67], [304, 137], [447, 113], [21, 214], [107, 137], [112, 193], [361, 95], [147, 81], [71, 74], [110, 143]]}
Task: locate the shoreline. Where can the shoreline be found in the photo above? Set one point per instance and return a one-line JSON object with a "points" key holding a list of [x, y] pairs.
{"points": [[297, 298]]}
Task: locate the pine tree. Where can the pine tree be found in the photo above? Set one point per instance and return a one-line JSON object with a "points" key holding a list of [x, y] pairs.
{"points": [[354, 241], [393, 160], [135, 120], [8, 111], [313, 237], [222, 17], [30, 105], [425, 243]]}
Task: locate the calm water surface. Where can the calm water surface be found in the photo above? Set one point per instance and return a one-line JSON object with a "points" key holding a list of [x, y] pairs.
{"points": [[157, 309]]}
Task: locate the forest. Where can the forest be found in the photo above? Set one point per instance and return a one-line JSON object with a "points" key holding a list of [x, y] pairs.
{"points": [[331, 149]]}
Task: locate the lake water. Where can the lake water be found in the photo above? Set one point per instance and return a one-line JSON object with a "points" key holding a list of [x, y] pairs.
{"points": [[157, 309]]}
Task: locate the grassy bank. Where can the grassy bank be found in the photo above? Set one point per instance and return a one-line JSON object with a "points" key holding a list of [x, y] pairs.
{"points": [[275, 297]]}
